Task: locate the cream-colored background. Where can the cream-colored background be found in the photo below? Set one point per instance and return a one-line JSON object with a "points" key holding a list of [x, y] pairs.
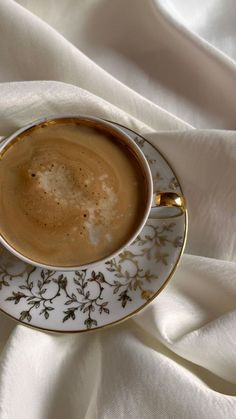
{"points": [[167, 69]]}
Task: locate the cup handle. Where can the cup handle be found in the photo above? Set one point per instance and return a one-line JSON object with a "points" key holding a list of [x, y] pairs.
{"points": [[167, 205]]}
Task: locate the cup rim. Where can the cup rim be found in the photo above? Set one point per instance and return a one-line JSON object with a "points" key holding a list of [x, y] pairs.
{"points": [[142, 160]]}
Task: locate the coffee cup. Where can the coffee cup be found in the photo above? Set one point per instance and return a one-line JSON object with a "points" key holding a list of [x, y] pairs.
{"points": [[75, 191]]}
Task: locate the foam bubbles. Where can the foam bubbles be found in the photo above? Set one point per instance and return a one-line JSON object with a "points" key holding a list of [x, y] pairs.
{"points": [[94, 199], [58, 182]]}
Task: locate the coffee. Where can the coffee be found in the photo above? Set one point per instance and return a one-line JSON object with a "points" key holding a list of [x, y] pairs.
{"points": [[70, 194]]}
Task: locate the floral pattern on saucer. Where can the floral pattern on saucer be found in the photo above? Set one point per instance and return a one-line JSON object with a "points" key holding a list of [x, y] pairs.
{"points": [[92, 298]]}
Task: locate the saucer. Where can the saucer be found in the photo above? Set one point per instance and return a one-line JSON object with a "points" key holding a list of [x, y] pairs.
{"points": [[90, 299]]}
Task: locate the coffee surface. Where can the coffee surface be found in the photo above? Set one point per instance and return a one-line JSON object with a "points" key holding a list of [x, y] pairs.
{"points": [[70, 194]]}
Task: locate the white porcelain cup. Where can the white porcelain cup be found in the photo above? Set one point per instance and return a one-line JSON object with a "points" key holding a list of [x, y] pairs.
{"points": [[164, 204]]}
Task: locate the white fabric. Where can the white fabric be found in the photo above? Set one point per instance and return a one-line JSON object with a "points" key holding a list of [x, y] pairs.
{"points": [[161, 67]]}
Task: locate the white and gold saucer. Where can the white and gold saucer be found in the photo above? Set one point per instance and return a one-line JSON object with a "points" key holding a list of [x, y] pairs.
{"points": [[89, 299]]}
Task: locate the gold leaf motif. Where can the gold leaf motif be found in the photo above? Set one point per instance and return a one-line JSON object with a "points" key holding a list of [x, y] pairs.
{"points": [[146, 294]]}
